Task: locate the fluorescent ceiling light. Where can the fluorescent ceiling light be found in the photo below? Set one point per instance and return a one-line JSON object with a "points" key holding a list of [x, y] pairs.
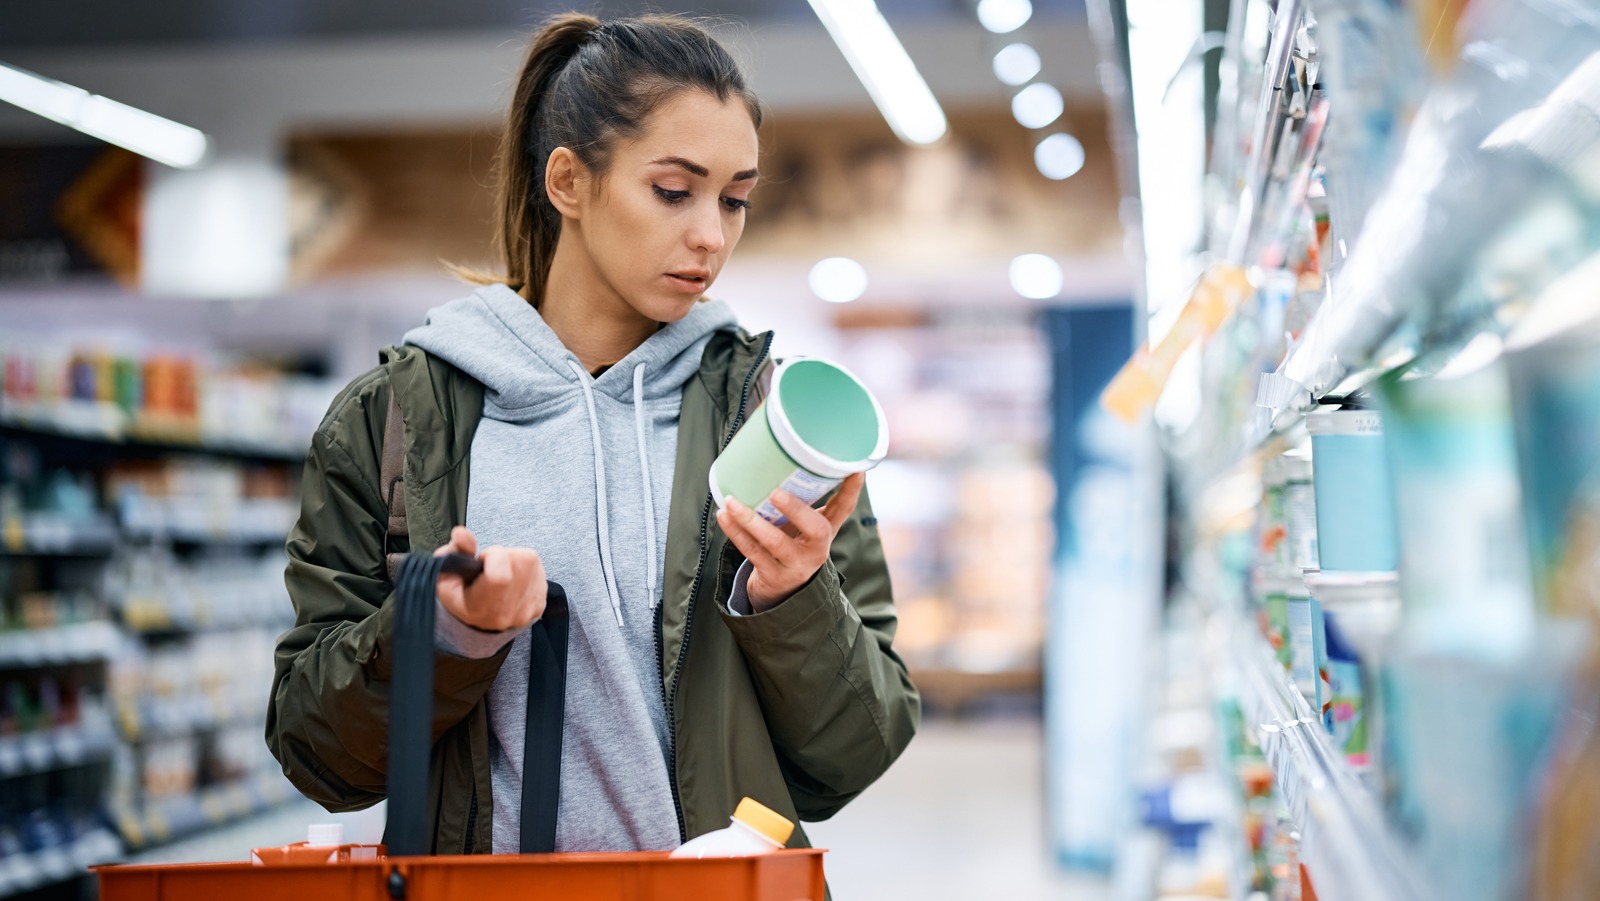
{"points": [[1036, 276], [1037, 105], [1059, 156], [838, 280], [1004, 16], [146, 134], [883, 66], [1016, 63]]}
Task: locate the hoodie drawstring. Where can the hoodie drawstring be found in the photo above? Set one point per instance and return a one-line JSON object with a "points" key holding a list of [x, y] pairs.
{"points": [[642, 428], [600, 490]]}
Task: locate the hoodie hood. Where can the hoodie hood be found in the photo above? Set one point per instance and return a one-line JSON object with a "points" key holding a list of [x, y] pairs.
{"points": [[500, 340]]}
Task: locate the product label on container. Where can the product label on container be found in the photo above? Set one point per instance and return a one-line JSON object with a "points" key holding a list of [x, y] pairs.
{"points": [[1346, 715], [1300, 510], [807, 487], [1303, 649]]}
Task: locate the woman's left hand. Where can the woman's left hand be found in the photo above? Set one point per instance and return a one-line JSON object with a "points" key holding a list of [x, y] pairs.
{"points": [[785, 559]]}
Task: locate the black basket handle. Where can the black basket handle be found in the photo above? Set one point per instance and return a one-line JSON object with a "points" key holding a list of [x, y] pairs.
{"points": [[409, 831]]}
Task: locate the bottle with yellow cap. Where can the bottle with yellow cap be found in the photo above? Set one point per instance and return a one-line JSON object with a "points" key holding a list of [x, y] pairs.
{"points": [[755, 829]]}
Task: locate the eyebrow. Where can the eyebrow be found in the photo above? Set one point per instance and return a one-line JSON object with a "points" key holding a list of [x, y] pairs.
{"points": [[697, 169]]}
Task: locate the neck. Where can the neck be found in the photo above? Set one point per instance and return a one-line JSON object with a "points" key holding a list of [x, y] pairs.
{"points": [[588, 315]]}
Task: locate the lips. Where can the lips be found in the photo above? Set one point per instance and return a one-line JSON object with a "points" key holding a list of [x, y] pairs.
{"points": [[689, 280]]}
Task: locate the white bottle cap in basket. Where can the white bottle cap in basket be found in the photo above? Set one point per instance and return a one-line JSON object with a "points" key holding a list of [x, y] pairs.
{"points": [[320, 835]]}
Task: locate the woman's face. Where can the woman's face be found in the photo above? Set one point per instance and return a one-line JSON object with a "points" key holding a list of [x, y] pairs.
{"points": [[671, 207]]}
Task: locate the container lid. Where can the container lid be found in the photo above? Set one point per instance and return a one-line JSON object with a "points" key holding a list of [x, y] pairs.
{"points": [[325, 834], [764, 820], [1344, 422], [814, 459], [1350, 587]]}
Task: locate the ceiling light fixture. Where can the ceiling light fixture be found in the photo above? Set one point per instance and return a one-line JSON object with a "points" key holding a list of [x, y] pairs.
{"points": [[1004, 16], [1037, 105], [1017, 64], [146, 134], [1036, 276], [884, 67], [1059, 156], [838, 280]]}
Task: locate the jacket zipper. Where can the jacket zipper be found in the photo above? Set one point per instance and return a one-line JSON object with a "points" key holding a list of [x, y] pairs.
{"points": [[694, 592], [472, 821]]}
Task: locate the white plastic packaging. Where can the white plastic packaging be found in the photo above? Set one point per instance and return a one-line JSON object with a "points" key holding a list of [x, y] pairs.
{"points": [[753, 829]]}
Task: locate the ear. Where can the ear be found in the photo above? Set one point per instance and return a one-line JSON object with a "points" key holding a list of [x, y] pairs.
{"points": [[565, 182]]}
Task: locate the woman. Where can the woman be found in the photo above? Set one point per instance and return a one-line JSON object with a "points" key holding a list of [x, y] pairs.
{"points": [[559, 423]]}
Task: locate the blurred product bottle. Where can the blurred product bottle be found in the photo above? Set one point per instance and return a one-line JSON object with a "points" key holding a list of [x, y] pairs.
{"points": [[754, 829], [1555, 384], [1479, 682]]}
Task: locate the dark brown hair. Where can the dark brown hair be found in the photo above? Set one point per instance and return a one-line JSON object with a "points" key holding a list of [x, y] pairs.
{"points": [[583, 85]]}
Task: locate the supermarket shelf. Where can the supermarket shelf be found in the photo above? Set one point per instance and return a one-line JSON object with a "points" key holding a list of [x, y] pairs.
{"points": [[157, 824], [41, 869], [55, 749], [1347, 847], [54, 536], [99, 427], [80, 643], [278, 826], [172, 718]]}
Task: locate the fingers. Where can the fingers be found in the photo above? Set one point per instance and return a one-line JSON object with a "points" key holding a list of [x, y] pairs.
{"points": [[809, 523], [843, 503], [497, 568], [733, 526], [462, 541]]}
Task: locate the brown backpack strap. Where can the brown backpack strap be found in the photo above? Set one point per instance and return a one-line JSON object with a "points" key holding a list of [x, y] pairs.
{"points": [[392, 483]]}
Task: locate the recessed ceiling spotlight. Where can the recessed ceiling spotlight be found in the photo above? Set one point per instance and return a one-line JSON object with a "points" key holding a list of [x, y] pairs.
{"points": [[1037, 105], [1016, 64]]}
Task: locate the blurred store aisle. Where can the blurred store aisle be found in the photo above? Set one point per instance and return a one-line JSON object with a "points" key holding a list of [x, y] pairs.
{"points": [[960, 816]]}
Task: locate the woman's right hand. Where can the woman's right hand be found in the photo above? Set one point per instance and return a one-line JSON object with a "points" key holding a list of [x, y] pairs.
{"points": [[509, 594]]}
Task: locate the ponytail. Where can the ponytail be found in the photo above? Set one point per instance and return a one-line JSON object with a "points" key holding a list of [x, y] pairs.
{"points": [[583, 85]]}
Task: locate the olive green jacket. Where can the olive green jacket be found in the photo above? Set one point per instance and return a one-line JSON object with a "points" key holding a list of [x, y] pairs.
{"points": [[800, 707]]}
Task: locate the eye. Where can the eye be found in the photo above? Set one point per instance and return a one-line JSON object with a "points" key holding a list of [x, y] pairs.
{"points": [[671, 197], [734, 204]]}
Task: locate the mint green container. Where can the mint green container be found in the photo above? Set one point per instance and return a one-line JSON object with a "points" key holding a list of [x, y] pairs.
{"points": [[818, 425]]}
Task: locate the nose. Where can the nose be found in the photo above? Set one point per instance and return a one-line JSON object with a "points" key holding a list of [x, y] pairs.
{"points": [[705, 230]]}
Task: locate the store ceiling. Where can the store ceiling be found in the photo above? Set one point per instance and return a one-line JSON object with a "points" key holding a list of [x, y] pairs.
{"points": [[119, 23]]}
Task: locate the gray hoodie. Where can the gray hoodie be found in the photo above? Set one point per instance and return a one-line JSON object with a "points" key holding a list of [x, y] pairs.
{"points": [[579, 469]]}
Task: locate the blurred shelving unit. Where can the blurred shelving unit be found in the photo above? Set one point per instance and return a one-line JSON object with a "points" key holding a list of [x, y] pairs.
{"points": [[1392, 221], [965, 500], [143, 511]]}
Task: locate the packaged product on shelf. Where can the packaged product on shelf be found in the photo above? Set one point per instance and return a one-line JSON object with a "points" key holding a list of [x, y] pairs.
{"points": [[1274, 522], [1353, 491], [1304, 640], [1464, 572], [1555, 383], [1345, 713], [1362, 614], [1299, 511], [1372, 67], [1473, 738]]}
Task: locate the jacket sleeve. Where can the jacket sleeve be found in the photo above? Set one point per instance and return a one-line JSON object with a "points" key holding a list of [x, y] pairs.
{"points": [[327, 722], [838, 702]]}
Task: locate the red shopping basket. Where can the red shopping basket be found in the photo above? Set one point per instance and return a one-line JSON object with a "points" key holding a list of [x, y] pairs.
{"points": [[787, 875]]}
